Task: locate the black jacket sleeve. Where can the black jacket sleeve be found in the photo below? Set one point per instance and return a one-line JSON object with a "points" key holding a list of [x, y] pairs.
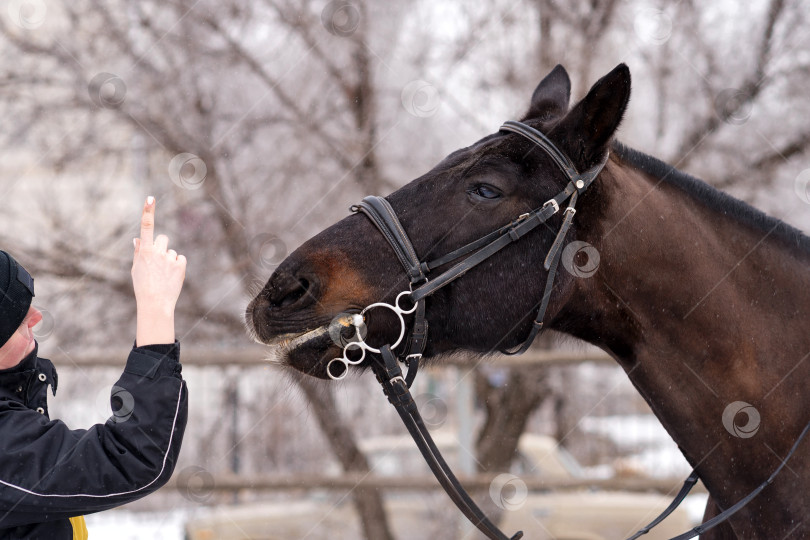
{"points": [[49, 472]]}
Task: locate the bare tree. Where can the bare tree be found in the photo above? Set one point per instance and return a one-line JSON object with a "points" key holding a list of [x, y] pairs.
{"points": [[257, 123], [173, 60]]}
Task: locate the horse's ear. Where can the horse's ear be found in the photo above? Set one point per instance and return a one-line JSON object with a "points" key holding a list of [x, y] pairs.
{"points": [[586, 131], [550, 98]]}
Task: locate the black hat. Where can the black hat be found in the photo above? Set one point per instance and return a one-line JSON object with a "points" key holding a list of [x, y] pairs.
{"points": [[16, 291]]}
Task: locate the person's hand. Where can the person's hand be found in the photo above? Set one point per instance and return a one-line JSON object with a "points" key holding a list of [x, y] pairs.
{"points": [[157, 277]]}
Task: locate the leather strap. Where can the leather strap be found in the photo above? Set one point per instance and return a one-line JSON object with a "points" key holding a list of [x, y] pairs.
{"points": [[390, 377], [396, 387], [384, 217], [562, 161], [723, 516], [506, 235], [688, 484], [537, 324], [418, 337], [387, 370], [543, 142], [568, 218], [551, 264]]}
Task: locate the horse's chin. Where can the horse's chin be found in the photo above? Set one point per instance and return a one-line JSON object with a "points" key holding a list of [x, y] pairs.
{"points": [[308, 352]]}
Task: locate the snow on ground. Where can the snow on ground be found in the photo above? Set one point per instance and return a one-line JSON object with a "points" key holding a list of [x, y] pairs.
{"points": [[652, 450], [128, 525], [695, 505]]}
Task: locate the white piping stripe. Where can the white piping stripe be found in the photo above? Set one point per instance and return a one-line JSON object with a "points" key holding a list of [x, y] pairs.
{"points": [[162, 468]]}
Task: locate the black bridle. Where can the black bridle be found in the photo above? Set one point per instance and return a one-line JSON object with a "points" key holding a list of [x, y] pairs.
{"points": [[384, 217], [388, 372], [397, 386]]}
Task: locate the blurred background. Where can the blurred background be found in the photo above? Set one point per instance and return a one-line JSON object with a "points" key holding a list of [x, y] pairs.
{"points": [[256, 125]]}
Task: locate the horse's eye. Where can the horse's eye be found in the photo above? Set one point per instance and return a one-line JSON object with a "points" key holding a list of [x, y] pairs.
{"points": [[485, 191]]}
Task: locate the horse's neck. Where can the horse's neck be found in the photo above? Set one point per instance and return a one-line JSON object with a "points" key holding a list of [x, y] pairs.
{"points": [[677, 270], [701, 311]]}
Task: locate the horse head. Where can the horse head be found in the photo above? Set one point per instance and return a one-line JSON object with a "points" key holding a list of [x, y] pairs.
{"points": [[469, 194]]}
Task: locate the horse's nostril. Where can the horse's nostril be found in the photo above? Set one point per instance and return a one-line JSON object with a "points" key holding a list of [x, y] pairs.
{"points": [[293, 295]]}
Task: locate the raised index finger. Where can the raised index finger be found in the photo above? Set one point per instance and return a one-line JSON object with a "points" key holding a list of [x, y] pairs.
{"points": [[148, 224]]}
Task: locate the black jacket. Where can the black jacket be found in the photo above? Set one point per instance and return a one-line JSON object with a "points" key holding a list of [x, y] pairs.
{"points": [[49, 472]]}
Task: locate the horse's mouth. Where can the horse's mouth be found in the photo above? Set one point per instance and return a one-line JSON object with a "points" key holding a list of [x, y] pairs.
{"points": [[288, 342], [309, 351]]}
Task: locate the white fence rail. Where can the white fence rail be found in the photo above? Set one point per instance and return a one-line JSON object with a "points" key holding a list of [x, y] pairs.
{"points": [[350, 481]]}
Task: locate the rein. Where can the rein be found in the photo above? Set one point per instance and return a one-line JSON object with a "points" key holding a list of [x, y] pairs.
{"points": [[728, 512], [396, 386]]}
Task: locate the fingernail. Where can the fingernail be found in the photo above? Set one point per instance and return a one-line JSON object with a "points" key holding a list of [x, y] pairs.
{"points": [[150, 200], [135, 243]]}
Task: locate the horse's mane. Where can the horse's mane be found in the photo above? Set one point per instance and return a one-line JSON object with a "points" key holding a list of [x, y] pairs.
{"points": [[713, 198]]}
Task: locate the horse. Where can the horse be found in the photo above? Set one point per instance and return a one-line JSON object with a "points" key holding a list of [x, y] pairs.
{"points": [[699, 297]]}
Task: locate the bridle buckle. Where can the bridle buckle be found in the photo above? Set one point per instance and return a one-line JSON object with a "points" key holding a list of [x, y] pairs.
{"points": [[552, 202]]}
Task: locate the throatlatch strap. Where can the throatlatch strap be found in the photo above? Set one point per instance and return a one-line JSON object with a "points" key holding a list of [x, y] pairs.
{"points": [[551, 264], [537, 324], [568, 218]]}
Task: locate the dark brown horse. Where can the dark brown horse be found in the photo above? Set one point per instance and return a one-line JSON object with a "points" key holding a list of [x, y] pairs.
{"points": [[703, 300]]}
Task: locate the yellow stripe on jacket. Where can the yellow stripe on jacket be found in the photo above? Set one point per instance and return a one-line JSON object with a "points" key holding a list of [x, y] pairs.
{"points": [[79, 528]]}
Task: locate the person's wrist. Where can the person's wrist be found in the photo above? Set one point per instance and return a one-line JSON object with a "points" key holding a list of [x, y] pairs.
{"points": [[154, 307], [154, 326]]}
